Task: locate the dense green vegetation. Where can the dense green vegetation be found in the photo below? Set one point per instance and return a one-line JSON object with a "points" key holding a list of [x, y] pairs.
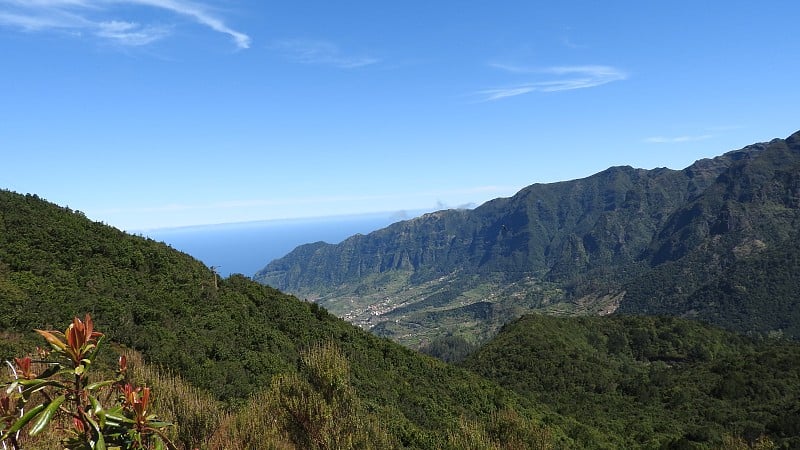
{"points": [[730, 256], [716, 241], [449, 348], [230, 337], [244, 365], [654, 382], [519, 253]]}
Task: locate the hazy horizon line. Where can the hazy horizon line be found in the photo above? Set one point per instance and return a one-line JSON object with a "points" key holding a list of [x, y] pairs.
{"points": [[401, 215]]}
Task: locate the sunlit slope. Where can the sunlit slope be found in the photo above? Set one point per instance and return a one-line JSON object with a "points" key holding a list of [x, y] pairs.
{"points": [[657, 382], [228, 336], [625, 239]]}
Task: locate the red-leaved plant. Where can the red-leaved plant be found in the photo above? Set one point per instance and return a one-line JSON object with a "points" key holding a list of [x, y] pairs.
{"points": [[31, 401]]}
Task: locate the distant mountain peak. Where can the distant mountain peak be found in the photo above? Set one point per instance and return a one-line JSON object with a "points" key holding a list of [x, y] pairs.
{"points": [[553, 243]]}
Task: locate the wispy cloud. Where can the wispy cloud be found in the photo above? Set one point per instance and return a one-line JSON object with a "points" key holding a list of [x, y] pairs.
{"points": [[130, 33], [552, 79], [199, 14], [317, 52], [103, 19], [42, 20], [707, 133], [677, 139]]}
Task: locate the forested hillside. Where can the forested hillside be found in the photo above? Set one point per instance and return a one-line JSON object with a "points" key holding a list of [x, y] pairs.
{"points": [[715, 241], [230, 337], [235, 364], [730, 256], [656, 382]]}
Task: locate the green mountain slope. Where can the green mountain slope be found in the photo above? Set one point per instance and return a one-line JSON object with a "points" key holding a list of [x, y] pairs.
{"points": [[731, 254], [518, 254], [230, 337], [608, 218], [657, 382], [622, 382], [630, 239]]}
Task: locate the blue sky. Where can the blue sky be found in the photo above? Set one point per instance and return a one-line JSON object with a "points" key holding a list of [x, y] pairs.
{"points": [[159, 113]]}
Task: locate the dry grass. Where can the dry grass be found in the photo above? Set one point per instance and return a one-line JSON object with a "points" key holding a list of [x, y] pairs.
{"points": [[194, 413]]}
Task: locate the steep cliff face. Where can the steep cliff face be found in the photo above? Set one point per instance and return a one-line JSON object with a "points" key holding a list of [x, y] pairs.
{"points": [[554, 229], [576, 241], [728, 255]]}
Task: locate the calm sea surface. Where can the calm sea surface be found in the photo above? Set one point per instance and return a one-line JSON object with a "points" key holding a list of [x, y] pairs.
{"points": [[246, 248]]}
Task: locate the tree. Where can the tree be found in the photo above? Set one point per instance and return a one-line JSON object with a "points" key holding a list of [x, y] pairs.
{"points": [[315, 408]]}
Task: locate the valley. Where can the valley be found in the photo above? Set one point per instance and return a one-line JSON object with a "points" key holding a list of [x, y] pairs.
{"points": [[624, 240], [629, 309], [415, 225]]}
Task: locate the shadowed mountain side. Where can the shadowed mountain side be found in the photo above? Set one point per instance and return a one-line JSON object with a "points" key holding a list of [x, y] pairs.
{"points": [[610, 217], [573, 247], [730, 256]]}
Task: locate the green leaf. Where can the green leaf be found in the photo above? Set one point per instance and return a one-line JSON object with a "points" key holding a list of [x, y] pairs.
{"points": [[99, 384], [101, 441], [52, 370], [22, 421], [157, 424], [96, 406], [37, 382], [47, 415], [36, 385], [66, 372], [115, 414], [96, 348]]}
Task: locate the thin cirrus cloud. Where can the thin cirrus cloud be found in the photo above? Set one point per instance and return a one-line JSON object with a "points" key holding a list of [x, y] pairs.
{"points": [[316, 52], [552, 79], [711, 133], [199, 14], [102, 19], [130, 33]]}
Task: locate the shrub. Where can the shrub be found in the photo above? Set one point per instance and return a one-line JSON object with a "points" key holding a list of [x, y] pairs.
{"points": [[90, 414]]}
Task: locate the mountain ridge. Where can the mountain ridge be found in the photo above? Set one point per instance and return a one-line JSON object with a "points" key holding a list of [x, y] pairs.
{"points": [[237, 340], [576, 239]]}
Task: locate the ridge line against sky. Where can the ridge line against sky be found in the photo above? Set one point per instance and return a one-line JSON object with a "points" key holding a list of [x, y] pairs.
{"points": [[161, 113]]}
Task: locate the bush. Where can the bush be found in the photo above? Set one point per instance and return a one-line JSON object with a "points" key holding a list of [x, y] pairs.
{"points": [[91, 414]]}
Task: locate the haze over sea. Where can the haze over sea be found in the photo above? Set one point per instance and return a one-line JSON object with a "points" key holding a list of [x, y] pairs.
{"points": [[247, 247]]}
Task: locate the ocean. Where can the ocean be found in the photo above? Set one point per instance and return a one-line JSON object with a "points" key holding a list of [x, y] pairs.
{"points": [[245, 248]]}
